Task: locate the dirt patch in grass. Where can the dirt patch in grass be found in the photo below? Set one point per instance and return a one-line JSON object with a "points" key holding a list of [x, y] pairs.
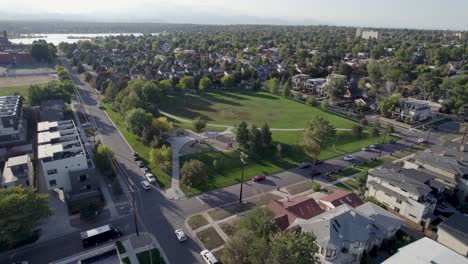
{"points": [[298, 187], [197, 221], [230, 228], [210, 238], [263, 199]]}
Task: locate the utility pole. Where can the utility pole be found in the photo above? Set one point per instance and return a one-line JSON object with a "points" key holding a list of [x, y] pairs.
{"points": [[243, 156], [383, 140], [134, 211]]}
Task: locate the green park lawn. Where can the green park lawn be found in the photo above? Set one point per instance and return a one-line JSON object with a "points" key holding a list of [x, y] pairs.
{"points": [[228, 170], [164, 180], [20, 90], [255, 107]]}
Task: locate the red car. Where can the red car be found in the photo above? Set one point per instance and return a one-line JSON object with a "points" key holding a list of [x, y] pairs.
{"points": [[258, 178]]}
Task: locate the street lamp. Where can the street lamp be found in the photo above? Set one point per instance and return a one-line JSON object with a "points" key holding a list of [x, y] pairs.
{"points": [[243, 157]]}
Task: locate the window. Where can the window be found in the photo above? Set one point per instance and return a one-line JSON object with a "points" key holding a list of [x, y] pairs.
{"points": [[398, 201], [329, 252], [397, 209], [82, 177], [412, 215], [50, 172], [53, 183], [387, 194], [404, 190]]}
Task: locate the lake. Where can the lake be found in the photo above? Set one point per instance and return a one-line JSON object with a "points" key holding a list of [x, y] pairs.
{"points": [[57, 38]]}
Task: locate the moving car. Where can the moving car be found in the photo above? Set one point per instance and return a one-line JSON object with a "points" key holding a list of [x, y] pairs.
{"points": [[258, 178], [99, 235], [304, 165], [180, 235], [146, 185], [150, 177], [209, 257], [348, 157]]}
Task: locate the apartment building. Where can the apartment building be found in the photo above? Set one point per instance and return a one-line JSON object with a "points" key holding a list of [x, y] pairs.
{"points": [[11, 120], [344, 233], [18, 171], [60, 151], [409, 192]]}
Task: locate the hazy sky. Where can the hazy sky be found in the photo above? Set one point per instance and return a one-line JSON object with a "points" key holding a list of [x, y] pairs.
{"points": [[438, 14]]}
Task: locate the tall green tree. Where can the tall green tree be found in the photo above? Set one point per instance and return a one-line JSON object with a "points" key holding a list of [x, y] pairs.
{"points": [[357, 131], [336, 88], [136, 120], [286, 90], [255, 139], [242, 135], [103, 158], [386, 105], [162, 157], [228, 81], [198, 124], [245, 247], [204, 84], [22, 210], [273, 85], [266, 135], [193, 173], [260, 221], [294, 248], [187, 82], [317, 135]]}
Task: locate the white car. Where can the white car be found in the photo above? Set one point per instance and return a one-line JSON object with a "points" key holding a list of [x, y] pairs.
{"points": [[145, 170], [146, 185], [209, 257], [180, 235], [348, 157], [421, 140], [150, 177]]}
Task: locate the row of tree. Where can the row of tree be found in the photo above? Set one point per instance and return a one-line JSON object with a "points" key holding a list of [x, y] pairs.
{"points": [[253, 138]]}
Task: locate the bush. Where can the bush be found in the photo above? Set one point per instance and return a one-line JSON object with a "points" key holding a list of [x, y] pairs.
{"points": [[364, 122], [316, 186], [311, 100], [375, 132]]}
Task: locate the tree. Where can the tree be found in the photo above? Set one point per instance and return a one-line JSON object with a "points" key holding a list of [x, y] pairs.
{"points": [[204, 84], [166, 85], [199, 124], [87, 77], [260, 221], [336, 88], [193, 173], [266, 135], [294, 248], [345, 69], [325, 104], [22, 210], [255, 139], [43, 52], [242, 135], [273, 85], [228, 81], [317, 135], [386, 105], [136, 120], [286, 90], [316, 186], [110, 93], [311, 100], [357, 131], [161, 125], [187, 83], [80, 69], [245, 247], [162, 156], [103, 158]]}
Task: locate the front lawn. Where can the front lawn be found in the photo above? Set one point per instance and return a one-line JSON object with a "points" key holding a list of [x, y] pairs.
{"points": [[197, 221], [230, 107], [210, 238], [155, 257], [164, 180], [228, 169]]}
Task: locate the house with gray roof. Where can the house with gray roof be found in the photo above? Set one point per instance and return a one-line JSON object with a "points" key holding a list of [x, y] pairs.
{"points": [[344, 233], [405, 191], [453, 233]]}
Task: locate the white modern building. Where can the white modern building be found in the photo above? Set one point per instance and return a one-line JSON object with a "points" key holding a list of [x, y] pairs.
{"points": [[18, 171], [11, 120], [60, 152]]}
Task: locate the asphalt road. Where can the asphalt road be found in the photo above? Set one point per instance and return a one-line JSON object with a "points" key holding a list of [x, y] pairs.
{"points": [[160, 216]]}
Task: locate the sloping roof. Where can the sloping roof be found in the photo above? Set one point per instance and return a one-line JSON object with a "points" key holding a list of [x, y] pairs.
{"points": [[382, 218], [285, 212], [407, 181], [457, 226], [342, 197], [425, 251], [342, 223], [448, 164]]}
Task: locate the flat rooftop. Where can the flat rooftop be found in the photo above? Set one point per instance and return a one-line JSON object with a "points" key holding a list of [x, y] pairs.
{"points": [[54, 125]]}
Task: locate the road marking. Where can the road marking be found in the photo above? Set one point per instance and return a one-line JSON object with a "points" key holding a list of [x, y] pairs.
{"points": [[201, 201]]}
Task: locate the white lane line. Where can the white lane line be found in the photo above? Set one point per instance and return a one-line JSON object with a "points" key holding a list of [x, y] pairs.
{"points": [[201, 201]]}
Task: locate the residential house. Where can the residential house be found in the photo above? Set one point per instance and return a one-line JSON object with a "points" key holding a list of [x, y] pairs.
{"points": [[425, 251], [450, 170], [412, 111], [18, 171], [12, 125], [344, 233], [307, 85], [338, 198], [404, 191], [453, 233], [60, 151], [285, 212]]}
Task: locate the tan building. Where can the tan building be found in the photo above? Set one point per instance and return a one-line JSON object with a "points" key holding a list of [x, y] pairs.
{"points": [[453, 233]]}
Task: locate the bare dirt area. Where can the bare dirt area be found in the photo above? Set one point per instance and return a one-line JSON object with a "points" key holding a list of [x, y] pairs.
{"points": [[26, 80]]}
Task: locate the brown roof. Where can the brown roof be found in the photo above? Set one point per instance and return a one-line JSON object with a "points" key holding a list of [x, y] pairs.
{"points": [[342, 197], [285, 212]]}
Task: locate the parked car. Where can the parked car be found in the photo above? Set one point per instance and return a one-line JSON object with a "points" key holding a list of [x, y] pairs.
{"points": [[421, 140], [146, 185], [136, 158], [375, 146], [258, 178], [140, 163], [365, 149], [304, 165], [318, 162], [209, 257], [150, 177], [145, 170], [180, 235], [315, 173], [348, 157], [100, 107]]}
